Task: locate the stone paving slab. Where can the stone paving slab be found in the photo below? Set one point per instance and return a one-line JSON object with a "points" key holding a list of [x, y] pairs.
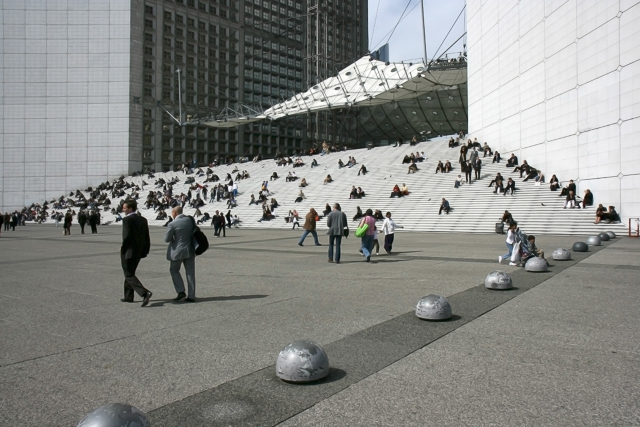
{"points": [[65, 333]]}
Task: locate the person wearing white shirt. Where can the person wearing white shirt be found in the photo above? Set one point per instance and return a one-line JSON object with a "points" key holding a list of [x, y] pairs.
{"points": [[388, 228]]}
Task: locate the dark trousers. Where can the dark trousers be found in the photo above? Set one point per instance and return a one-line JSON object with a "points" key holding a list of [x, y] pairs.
{"points": [[82, 224], [94, 229], [216, 229], [338, 241], [477, 173], [467, 175], [131, 282], [388, 242]]}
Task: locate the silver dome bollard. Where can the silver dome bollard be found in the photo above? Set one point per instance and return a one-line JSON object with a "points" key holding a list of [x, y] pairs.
{"points": [[433, 307], [498, 280], [593, 241], [536, 265], [580, 247], [611, 234], [302, 362], [561, 254], [604, 237], [115, 415]]}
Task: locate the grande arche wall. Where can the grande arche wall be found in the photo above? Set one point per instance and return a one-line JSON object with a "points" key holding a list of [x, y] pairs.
{"points": [[558, 83]]}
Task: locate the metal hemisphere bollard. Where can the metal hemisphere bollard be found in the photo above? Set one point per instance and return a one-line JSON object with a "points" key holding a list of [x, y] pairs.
{"points": [[611, 234], [433, 307], [302, 362], [593, 241], [561, 254], [115, 415], [498, 280], [580, 247], [604, 237], [536, 265]]}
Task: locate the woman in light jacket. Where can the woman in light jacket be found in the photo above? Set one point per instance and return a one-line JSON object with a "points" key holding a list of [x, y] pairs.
{"points": [[511, 238]]}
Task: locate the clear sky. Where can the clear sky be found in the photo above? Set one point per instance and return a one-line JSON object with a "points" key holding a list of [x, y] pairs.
{"points": [[405, 44]]}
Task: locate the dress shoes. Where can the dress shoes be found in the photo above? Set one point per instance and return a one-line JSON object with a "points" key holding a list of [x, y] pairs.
{"points": [[190, 300], [146, 299], [180, 296], [126, 300]]}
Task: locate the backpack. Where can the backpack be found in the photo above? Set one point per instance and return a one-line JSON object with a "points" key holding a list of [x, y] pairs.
{"points": [[200, 241]]}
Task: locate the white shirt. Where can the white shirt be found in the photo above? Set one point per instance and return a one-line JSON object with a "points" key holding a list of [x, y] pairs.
{"points": [[389, 226]]}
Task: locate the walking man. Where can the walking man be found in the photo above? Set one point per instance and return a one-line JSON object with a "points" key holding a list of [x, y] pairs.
{"points": [[93, 221], [388, 227], [310, 227], [181, 250], [337, 223], [82, 220], [135, 246]]}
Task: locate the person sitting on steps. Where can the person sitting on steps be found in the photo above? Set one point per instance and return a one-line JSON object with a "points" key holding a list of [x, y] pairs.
{"points": [[447, 166], [413, 168], [440, 167], [444, 206], [511, 185], [496, 157], [512, 161]]}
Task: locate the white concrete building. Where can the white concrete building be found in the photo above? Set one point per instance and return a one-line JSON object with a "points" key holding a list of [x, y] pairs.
{"points": [[558, 83]]}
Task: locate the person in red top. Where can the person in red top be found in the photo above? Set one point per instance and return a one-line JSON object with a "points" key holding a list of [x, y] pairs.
{"points": [[369, 236]]}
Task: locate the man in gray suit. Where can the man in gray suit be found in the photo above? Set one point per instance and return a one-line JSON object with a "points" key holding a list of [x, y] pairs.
{"points": [[179, 235], [337, 223]]}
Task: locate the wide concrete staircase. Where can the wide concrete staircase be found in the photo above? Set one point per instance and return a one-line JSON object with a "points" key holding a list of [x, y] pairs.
{"points": [[475, 208]]}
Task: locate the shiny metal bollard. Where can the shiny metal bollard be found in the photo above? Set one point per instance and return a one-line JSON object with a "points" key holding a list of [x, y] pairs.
{"points": [[561, 254], [593, 241], [498, 280], [611, 234], [301, 362], [604, 237], [580, 247], [115, 415], [433, 307], [536, 265]]}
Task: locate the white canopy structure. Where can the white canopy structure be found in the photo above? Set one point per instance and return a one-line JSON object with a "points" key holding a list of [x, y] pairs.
{"points": [[366, 82]]}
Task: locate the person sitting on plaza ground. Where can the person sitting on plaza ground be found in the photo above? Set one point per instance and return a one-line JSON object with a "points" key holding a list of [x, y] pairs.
{"points": [[554, 184], [314, 163], [507, 218], [444, 206], [512, 161], [440, 167], [496, 157], [413, 168], [404, 189], [458, 182], [310, 227], [327, 180], [358, 214], [340, 164], [396, 192], [205, 218], [363, 169], [353, 194], [570, 200], [447, 166], [487, 150], [587, 200], [303, 183], [360, 193], [235, 221], [274, 176], [300, 197], [511, 185]]}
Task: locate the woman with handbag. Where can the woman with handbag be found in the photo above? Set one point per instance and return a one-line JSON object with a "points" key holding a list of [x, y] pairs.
{"points": [[366, 231]]}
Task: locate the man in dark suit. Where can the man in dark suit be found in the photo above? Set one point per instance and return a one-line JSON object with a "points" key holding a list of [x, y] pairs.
{"points": [[93, 222], [135, 246], [82, 220]]}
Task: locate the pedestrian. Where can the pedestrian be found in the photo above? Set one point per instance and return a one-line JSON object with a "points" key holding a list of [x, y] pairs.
{"points": [[68, 220], [216, 221], [82, 220], [388, 228], [337, 223], [1, 222], [367, 239], [93, 222], [310, 227], [511, 238], [180, 251], [135, 246]]}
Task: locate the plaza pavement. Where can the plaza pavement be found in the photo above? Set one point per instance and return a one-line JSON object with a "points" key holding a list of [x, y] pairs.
{"points": [[561, 349]]}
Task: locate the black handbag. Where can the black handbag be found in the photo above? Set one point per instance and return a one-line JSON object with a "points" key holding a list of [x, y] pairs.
{"points": [[201, 243], [345, 232]]}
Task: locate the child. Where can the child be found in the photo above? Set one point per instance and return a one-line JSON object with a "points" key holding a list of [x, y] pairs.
{"points": [[534, 249]]}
